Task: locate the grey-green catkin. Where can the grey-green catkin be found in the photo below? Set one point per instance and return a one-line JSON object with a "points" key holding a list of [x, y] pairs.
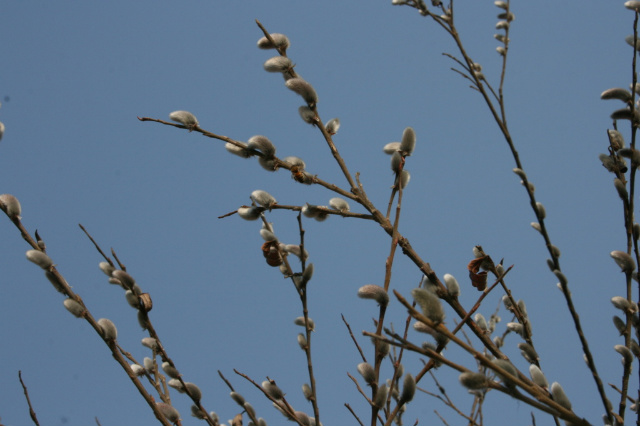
{"points": [[304, 89], [11, 206], [408, 388], [453, 288], [168, 412], [281, 41], [302, 418], [306, 391], [109, 330], [473, 381], [170, 370], [278, 64], [522, 307], [396, 162], [197, 412], [262, 144], [250, 212], [404, 178], [59, 285], [408, 142], [150, 343], [332, 126], [619, 324], [528, 352], [391, 147], [516, 327], [558, 395], [185, 118], [616, 139], [367, 372], [339, 204], [251, 412], [307, 114], [132, 299], [506, 300], [74, 307], [622, 190], [624, 261], [481, 321], [240, 151], [507, 367], [137, 369], [125, 279], [263, 198], [374, 292], [635, 348], [430, 304], [239, 399], [272, 390], [302, 341], [618, 93], [381, 396], [542, 213], [627, 356], [194, 391], [300, 321], [148, 365], [621, 303], [307, 274], [39, 258], [537, 376], [106, 268]]}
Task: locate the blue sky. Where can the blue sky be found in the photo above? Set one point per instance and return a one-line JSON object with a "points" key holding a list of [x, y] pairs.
{"points": [[75, 75]]}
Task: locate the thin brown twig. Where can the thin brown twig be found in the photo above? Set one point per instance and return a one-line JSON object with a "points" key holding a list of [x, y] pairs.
{"points": [[32, 413]]}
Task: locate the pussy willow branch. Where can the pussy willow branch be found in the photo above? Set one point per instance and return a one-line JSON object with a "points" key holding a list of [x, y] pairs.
{"points": [[62, 283], [502, 124], [520, 380], [32, 413]]}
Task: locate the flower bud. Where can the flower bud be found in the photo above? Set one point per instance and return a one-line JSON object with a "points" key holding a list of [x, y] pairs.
{"points": [[251, 412], [58, 282], [185, 118], [267, 235], [107, 268], [453, 288], [404, 178], [367, 372], [194, 391], [237, 150], [536, 226], [528, 352], [473, 381], [501, 50], [307, 114], [430, 304], [481, 321], [302, 341], [408, 143], [109, 331], [396, 162], [501, 4], [339, 204], [627, 356], [197, 412], [137, 369], [39, 258], [125, 279], [332, 126], [616, 140], [624, 261], [542, 213], [263, 198], [381, 396], [302, 418], [516, 328], [1, 130], [304, 89], [278, 64], [374, 292], [262, 144], [74, 307], [537, 377], [170, 370], [148, 365], [619, 324], [408, 389], [150, 343], [272, 390], [508, 16], [633, 5], [621, 303], [239, 399], [269, 164], [502, 25], [250, 213], [508, 368], [300, 321], [168, 412], [391, 147], [558, 395], [307, 274], [11, 206], [281, 41], [616, 93], [306, 391]]}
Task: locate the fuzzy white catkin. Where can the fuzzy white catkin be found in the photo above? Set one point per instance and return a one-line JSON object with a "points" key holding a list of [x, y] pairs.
{"points": [[332, 126], [263, 198], [408, 142], [184, 117], [453, 288], [374, 292], [109, 330], [339, 204], [304, 89], [74, 307], [11, 206], [39, 258], [169, 370], [168, 411]]}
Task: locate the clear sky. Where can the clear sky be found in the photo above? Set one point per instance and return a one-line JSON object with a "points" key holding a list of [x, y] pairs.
{"points": [[74, 77]]}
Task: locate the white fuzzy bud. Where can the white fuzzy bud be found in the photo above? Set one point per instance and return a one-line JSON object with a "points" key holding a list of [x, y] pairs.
{"points": [[559, 396], [168, 412], [473, 381], [381, 396], [537, 376], [240, 151], [332, 126], [339, 204], [272, 390], [239, 399], [39, 258], [107, 268], [404, 178], [170, 371], [304, 89], [621, 303], [109, 330], [148, 365], [374, 292], [516, 328], [278, 64], [408, 142], [627, 356], [185, 118], [624, 261], [300, 321], [542, 213], [307, 114], [137, 369], [391, 147], [302, 341], [408, 388], [263, 198], [481, 321], [508, 368], [430, 304], [453, 288], [306, 391], [616, 93], [396, 162], [262, 144], [632, 5], [74, 307], [367, 372], [280, 40], [126, 280], [250, 213], [11, 206], [150, 343]]}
